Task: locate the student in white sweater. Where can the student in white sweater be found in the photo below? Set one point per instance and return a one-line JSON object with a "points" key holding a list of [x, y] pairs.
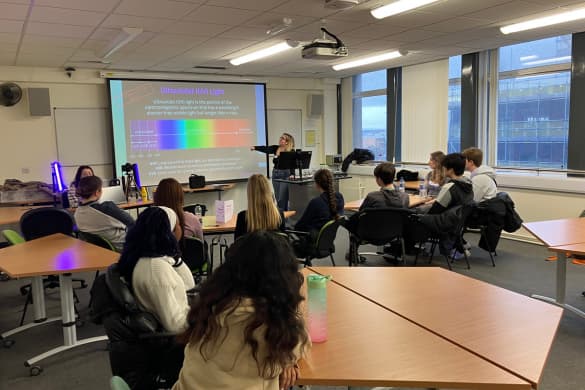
{"points": [[150, 262], [246, 330]]}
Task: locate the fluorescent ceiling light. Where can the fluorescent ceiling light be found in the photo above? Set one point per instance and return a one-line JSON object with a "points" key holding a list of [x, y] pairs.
{"points": [[369, 60], [548, 61], [562, 17], [398, 7], [126, 35], [279, 47]]}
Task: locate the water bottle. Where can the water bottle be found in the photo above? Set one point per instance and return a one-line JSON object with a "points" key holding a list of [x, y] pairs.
{"points": [[144, 194], [401, 186], [317, 307], [198, 213], [422, 189]]}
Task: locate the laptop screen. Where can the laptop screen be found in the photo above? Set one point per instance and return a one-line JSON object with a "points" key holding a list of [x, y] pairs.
{"points": [[114, 194]]}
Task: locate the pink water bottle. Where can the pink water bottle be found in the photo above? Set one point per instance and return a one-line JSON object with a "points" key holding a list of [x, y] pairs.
{"points": [[317, 307]]}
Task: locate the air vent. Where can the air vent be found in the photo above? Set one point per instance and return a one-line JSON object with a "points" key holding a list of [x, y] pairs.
{"points": [[341, 4]]}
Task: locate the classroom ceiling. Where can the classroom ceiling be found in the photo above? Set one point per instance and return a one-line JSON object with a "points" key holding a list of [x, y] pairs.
{"points": [[180, 35]]}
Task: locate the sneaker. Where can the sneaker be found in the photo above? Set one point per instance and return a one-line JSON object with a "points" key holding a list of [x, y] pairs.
{"points": [[458, 255]]}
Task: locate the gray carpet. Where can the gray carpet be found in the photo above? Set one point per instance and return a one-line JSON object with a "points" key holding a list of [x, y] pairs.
{"points": [[519, 267]]}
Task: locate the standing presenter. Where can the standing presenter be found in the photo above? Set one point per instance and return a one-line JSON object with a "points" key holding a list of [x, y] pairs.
{"points": [[286, 143]]}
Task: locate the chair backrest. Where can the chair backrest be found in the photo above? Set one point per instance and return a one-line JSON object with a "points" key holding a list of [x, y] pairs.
{"points": [[193, 253], [191, 208], [379, 226], [117, 383], [12, 236], [44, 221], [96, 239], [324, 245]]}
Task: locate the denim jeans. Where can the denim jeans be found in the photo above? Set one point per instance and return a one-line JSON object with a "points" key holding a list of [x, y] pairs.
{"points": [[280, 188]]}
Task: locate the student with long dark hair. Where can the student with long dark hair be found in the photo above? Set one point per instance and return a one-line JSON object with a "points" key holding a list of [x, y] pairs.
{"points": [[246, 330], [82, 171], [150, 263], [169, 193], [323, 208]]}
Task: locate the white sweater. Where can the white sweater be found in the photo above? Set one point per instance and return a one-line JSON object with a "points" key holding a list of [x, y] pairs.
{"points": [[160, 289]]}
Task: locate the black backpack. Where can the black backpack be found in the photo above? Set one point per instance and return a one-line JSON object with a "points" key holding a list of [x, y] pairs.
{"points": [[359, 156]]}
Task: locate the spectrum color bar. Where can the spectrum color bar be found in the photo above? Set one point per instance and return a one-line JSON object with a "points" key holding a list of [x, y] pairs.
{"points": [[169, 134]]}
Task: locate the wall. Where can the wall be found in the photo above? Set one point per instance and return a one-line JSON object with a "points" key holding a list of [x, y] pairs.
{"points": [[28, 143]]}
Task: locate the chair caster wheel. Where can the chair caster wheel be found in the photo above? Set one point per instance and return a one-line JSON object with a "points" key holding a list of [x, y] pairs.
{"points": [[79, 323], [8, 343], [23, 291], [35, 370]]}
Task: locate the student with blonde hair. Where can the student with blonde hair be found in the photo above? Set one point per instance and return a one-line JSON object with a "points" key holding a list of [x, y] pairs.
{"points": [[262, 212], [286, 143]]}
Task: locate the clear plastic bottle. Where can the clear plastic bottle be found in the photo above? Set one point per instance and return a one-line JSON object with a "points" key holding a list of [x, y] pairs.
{"points": [[422, 189], [199, 213], [317, 307], [401, 187]]}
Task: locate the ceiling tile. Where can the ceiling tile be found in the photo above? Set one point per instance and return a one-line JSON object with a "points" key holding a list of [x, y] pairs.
{"points": [[197, 28], [305, 8], [413, 19], [58, 30], [415, 35], [219, 47], [148, 24], [49, 41], [9, 37], [163, 39], [10, 26], [337, 27], [40, 60], [40, 49], [88, 5], [269, 19], [59, 15], [13, 11], [453, 8], [260, 5], [508, 11], [251, 33], [7, 57], [107, 34], [456, 24], [221, 15], [155, 8], [374, 31]]}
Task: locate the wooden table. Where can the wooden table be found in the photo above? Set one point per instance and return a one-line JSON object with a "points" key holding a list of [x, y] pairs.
{"points": [[135, 204], [55, 254], [414, 200], [507, 329], [558, 235], [10, 215], [369, 345], [210, 225], [219, 188]]}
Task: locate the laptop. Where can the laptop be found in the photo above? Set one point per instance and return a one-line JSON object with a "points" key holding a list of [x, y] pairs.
{"points": [[114, 194]]}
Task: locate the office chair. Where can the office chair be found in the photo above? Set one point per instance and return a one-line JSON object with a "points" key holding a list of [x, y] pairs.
{"points": [[321, 246], [117, 383], [96, 240], [194, 254], [41, 222], [378, 226], [479, 218]]}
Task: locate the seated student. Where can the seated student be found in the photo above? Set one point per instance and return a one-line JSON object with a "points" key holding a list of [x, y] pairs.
{"points": [[458, 191], [387, 196], [246, 329], [323, 208], [436, 177], [150, 263], [262, 213], [82, 171], [483, 177], [169, 193], [105, 219]]}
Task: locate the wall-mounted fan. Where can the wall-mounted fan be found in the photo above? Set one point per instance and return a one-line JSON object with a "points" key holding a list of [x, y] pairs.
{"points": [[10, 94]]}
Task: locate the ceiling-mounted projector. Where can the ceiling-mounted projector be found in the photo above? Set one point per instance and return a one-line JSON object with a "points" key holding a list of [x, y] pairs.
{"points": [[341, 4], [324, 48]]}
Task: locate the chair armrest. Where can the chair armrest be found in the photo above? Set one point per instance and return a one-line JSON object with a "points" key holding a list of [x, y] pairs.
{"points": [[297, 232]]}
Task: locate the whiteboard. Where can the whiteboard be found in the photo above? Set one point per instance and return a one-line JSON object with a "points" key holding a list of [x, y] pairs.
{"points": [[84, 136], [285, 121]]}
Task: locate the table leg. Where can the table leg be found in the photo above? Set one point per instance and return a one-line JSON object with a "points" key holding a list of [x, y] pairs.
{"points": [[561, 287], [39, 310], [68, 323]]}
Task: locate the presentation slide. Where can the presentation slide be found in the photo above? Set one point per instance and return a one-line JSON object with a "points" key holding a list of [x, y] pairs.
{"points": [[175, 129]]}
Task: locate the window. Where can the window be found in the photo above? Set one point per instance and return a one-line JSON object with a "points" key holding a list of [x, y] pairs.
{"points": [[454, 119], [533, 103], [369, 112]]}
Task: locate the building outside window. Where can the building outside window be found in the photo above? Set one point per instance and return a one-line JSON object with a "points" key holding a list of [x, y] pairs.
{"points": [[454, 102], [533, 103], [369, 112]]}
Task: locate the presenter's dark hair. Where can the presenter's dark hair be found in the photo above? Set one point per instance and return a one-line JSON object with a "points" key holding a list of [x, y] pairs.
{"points": [[385, 172], [88, 186], [169, 193], [151, 236], [455, 161], [79, 172], [324, 179], [261, 267]]}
